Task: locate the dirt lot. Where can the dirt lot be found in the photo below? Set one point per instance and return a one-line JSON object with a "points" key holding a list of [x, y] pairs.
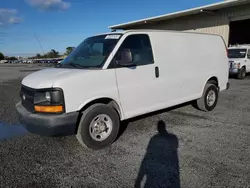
{"points": [[198, 150]]}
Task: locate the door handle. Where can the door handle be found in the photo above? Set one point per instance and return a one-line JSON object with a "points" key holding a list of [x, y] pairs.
{"points": [[157, 74]]}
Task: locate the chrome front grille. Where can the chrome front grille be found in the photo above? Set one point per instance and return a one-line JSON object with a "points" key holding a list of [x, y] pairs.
{"points": [[27, 97]]}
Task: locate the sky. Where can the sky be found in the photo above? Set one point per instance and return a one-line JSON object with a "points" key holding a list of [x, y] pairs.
{"points": [[28, 27]]}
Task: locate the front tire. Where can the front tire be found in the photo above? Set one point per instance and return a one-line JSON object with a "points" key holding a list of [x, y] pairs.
{"points": [[209, 99], [98, 127], [242, 73]]}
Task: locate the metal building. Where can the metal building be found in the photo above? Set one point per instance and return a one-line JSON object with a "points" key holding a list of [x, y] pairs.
{"points": [[230, 19]]}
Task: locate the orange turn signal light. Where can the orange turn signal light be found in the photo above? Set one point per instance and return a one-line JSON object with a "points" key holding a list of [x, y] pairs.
{"points": [[49, 109]]}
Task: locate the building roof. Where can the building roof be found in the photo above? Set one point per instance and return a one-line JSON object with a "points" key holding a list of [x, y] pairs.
{"points": [[197, 10]]}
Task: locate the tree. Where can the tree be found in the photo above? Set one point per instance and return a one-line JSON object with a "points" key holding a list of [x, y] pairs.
{"points": [[11, 58], [52, 54], [69, 50], [38, 56], [1, 56]]}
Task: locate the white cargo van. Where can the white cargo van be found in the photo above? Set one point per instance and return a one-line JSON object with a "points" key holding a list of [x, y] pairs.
{"points": [[239, 60], [116, 76]]}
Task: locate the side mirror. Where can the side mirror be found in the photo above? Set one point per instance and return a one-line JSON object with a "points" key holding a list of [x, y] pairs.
{"points": [[125, 58]]}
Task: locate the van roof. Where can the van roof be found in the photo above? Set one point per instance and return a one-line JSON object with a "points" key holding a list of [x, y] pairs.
{"points": [[245, 46], [153, 30]]}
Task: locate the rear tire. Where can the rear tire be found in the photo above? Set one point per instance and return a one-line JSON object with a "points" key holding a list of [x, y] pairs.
{"points": [[99, 126], [209, 99], [242, 74]]}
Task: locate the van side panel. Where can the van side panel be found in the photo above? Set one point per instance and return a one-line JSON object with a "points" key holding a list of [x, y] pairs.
{"points": [[186, 62]]}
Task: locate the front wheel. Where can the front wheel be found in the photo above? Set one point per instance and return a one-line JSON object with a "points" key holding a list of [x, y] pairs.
{"points": [[242, 73], [98, 127], [209, 99]]}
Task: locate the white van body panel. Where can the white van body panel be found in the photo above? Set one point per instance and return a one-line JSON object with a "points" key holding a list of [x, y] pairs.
{"points": [[80, 86], [139, 90], [189, 60], [46, 78], [186, 61]]}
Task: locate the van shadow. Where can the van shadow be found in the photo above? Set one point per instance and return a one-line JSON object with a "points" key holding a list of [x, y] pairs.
{"points": [[234, 77], [125, 124], [160, 165]]}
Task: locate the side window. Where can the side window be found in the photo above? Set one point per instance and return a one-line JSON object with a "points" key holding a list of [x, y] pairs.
{"points": [[248, 54], [140, 47]]}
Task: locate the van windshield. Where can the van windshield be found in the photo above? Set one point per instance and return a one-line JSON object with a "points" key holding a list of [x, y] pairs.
{"points": [[237, 53], [92, 52]]}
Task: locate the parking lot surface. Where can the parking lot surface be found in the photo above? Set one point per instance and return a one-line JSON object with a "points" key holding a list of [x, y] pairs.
{"points": [[197, 149]]}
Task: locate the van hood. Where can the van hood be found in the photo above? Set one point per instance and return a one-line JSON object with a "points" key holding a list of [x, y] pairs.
{"points": [[235, 60], [47, 77]]}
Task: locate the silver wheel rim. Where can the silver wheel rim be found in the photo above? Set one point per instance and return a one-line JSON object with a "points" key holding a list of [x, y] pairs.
{"points": [[100, 127], [211, 97]]}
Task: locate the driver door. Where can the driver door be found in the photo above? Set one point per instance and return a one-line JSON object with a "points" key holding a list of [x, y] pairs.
{"points": [[138, 85]]}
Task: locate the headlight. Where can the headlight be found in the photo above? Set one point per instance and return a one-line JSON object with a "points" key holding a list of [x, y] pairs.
{"points": [[237, 65], [50, 101], [48, 96]]}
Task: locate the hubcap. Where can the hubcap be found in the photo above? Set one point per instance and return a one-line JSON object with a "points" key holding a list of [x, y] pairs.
{"points": [[211, 97], [100, 127]]}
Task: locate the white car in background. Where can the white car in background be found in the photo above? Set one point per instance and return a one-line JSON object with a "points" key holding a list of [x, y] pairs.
{"points": [[239, 60]]}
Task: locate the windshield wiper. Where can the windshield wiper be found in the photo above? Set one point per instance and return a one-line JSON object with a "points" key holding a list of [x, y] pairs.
{"points": [[80, 66], [74, 65]]}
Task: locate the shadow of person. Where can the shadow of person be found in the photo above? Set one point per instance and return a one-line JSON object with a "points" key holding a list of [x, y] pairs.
{"points": [[160, 165]]}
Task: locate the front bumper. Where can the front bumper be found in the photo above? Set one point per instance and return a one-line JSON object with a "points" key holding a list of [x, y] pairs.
{"points": [[233, 71], [48, 124]]}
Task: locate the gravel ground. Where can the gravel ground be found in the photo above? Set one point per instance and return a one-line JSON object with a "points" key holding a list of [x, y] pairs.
{"points": [[197, 150]]}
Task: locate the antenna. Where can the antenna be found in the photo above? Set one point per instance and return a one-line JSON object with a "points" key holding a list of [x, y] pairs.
{"points": [[39, 43]]}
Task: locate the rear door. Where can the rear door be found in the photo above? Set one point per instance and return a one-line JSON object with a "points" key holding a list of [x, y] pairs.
{"points": [[138, 85]]}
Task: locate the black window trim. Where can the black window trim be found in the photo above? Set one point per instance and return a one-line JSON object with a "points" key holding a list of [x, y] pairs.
{"points": [[113, 65]]}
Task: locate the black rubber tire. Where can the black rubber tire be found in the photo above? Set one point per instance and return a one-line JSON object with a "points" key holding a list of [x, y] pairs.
{"points": [[201, 103], [83, 135], [242, 74]]}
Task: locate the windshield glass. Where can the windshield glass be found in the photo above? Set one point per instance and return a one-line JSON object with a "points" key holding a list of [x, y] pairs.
{"points": [[237, 53], [92, 52]]}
